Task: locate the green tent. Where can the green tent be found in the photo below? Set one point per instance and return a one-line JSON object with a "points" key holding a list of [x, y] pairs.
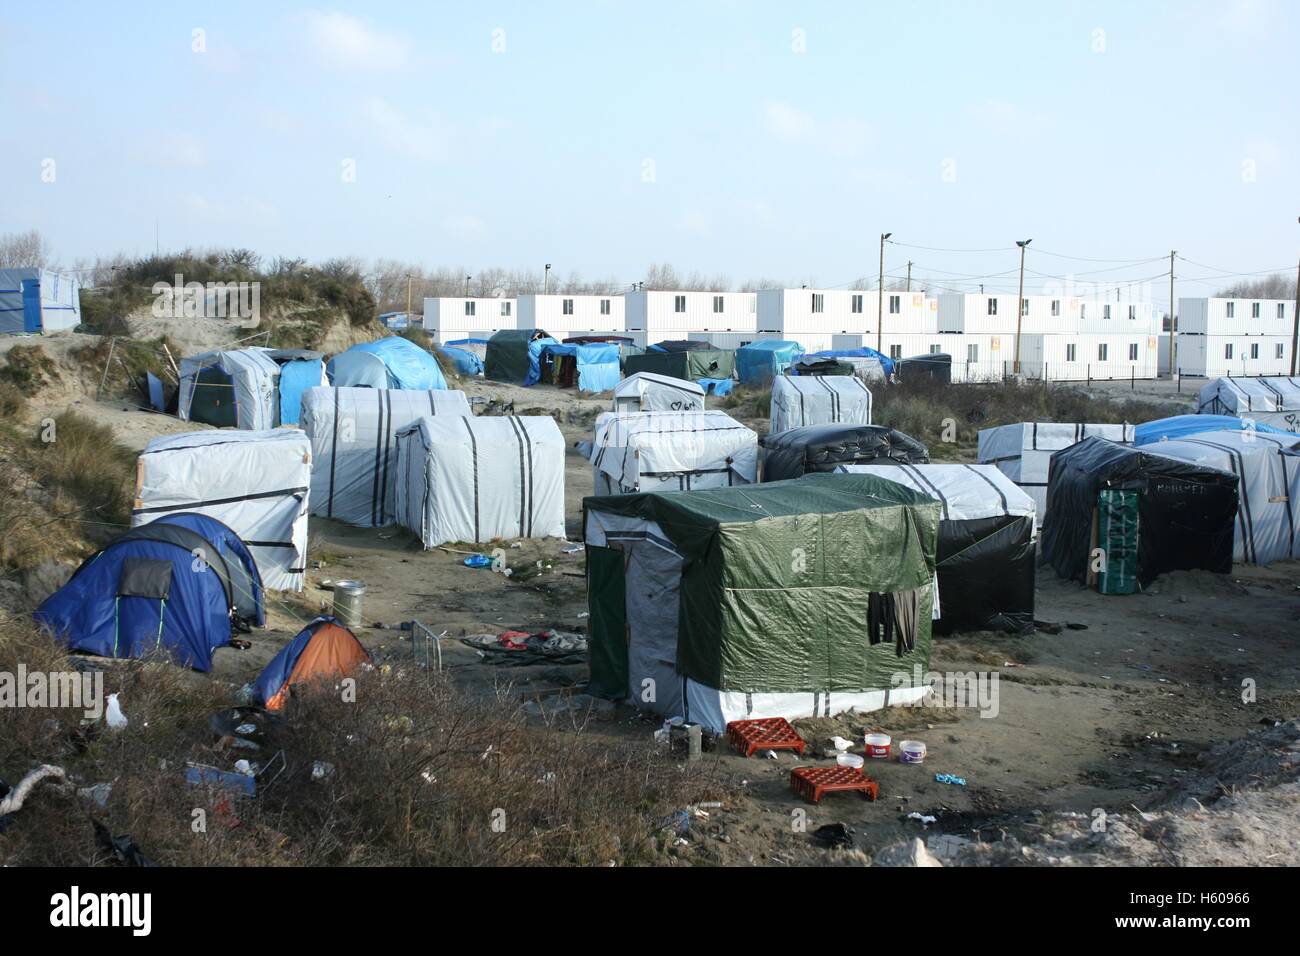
{"points": [[511, 355], [691, 365], [754, 601]]}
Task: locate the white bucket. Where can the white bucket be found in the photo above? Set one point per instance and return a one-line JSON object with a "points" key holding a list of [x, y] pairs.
{"points": [[911, 751], [849, 760]]}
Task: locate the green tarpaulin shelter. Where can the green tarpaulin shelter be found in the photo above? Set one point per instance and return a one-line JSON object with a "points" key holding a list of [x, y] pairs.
{"points": [[691, 365], [512, 355], [757, 601]]}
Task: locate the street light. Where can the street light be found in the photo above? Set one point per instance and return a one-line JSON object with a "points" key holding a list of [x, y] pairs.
{"points": [[1020, 301], [546, 279], [467, 278], [880, 295]]}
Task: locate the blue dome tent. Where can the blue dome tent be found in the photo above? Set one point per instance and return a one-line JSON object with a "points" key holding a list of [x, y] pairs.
{"points": [[393, 362], [245, 580], [159, 587]]}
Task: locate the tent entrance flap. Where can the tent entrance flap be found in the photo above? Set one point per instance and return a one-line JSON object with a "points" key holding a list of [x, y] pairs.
{"points": [[608, 632], [213, 399]]}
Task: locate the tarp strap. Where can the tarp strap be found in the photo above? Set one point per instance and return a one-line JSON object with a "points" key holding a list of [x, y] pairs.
{"points": [[1249, 552], [992, 484], [388, 438], [915, 472], [191, 505], [473, 449], [334, 455], [379, 459]]}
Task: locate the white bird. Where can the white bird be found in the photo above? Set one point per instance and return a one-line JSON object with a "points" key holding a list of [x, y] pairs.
{"points": [[116, 719]]}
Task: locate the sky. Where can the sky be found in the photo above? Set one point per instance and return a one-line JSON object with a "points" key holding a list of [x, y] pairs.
{"points": [[755, 140]]}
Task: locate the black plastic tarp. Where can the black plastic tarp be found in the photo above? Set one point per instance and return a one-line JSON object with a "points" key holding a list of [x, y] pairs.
{"points": [[1186, 512], [814, 448], [986, 574], [812, 365], [936, 365]]}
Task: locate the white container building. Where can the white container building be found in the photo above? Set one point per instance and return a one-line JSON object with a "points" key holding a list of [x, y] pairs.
{"points": [[816, 317], [463, 317], [1239, 337], [567, 314], [667, 315]]}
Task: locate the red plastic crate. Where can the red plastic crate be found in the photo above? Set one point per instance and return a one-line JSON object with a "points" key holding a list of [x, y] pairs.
{"points": [[766, 733], [813, 783]]}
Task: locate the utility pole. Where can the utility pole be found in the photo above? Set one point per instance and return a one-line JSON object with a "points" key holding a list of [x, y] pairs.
{"points": [[909, 276], [880, 296], [1020, 302], [1173, 322]]}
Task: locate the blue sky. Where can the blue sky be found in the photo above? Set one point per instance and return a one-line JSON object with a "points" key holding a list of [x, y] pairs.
{"points": [[749, 139]]}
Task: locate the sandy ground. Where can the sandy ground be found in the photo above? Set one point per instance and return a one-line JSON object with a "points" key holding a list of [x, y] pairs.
{"points": [[1113, 717]]}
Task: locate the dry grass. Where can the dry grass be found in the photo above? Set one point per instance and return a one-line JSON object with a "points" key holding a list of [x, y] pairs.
{"points": [[922, 408], [422, 775], [69, 487]]}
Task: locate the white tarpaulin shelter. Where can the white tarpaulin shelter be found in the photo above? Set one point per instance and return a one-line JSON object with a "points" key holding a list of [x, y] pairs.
{"points": [[353, 440], [672, 451], [1270, 401], [239, 384], [1268, 495], [1023, 451], [254, 482], [479, 479], [819, 400], [652, 392], [967, 492]]}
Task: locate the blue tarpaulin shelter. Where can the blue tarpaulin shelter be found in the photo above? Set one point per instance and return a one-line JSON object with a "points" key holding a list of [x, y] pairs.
{"points": [[38, 300], [465, 361], [759, 362], [142, 595], [591, 366], [1181, 426], [393, 362]]}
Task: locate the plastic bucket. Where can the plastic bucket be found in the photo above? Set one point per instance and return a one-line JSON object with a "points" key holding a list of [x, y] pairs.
{"points": [[849, 760], [877, 745], [911, 751], [347, 602]]}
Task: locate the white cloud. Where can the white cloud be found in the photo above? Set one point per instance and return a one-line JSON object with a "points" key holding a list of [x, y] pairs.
{"points": [[395, 130], [346, 42], [787, 123], [841, 135]]}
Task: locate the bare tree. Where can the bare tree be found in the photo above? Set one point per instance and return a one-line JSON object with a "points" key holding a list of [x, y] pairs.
{"points": [[1270, 287], [24, 250]]}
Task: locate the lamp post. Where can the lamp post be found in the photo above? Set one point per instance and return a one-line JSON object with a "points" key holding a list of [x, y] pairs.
{"points": [[880, 296], [546, 279], [467, 278], [1020, 301]]}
